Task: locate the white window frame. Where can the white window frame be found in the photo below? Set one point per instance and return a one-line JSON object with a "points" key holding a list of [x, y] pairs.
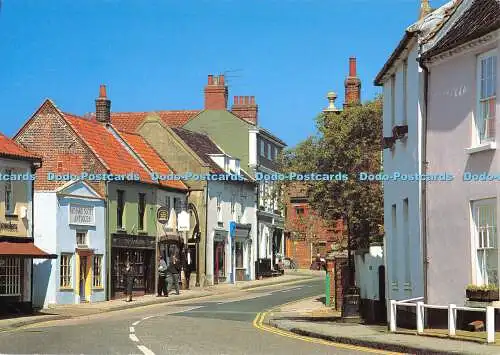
{"points": [[97, 276], [393, 100], [12, 275], [269, 157], [484, 238], [394, 248], [404, 119], [407, 246], [86, 239], [9, 194], [218, 201], [478, 126], [66, 280], [262, 148]]}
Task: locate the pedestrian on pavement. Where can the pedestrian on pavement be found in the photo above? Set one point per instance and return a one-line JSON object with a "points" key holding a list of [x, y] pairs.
{"points": [[129, 281], [173, 271], [162, 276], [187, 268]]}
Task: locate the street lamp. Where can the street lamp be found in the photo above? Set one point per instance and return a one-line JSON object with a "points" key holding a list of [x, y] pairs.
{"points": [[197, 237]]}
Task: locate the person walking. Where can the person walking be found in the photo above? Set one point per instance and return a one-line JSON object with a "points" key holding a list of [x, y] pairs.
{"points": [[129, 282], [162, 275], [173, 275], [187, 268]]}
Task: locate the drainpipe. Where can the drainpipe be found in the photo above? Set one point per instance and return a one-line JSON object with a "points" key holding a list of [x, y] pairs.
{"points": [[107, 243], [206, 228], [33, 171], [424, 171]]}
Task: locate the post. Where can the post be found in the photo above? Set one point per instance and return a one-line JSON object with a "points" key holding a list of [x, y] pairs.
{"points": [[393, 316], [452, 324], [233, 257], [327, 290], [197, 246], [490, 324], [420, 317]]}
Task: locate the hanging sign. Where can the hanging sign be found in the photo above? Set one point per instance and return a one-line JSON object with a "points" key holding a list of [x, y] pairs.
{"points": [[183, 219], [162, 215]]}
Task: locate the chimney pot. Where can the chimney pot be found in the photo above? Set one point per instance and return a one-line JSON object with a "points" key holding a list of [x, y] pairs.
{"points": [[352, 66], [221, 79], [252, 100], [216, 93], [210, 80], [102, 91], [236, 100]]}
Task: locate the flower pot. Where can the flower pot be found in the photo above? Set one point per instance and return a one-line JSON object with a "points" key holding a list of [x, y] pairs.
{"points": [[482, 295]]}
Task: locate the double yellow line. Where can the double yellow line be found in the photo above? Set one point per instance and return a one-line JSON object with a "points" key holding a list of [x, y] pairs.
{"points": [[258, 323]]}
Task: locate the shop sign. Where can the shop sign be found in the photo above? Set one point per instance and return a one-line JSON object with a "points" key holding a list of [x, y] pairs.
{"points": [[81, 215], [162, 215], [9, 227], [183, 220]]}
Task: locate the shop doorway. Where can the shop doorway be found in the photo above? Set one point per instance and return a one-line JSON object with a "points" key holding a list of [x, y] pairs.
{"points": [[219, 257]]}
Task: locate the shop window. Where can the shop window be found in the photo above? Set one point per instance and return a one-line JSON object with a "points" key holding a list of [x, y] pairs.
{"points": [[120, 207], [65, 272], [97, 271], [10, 276], [141, 210]]}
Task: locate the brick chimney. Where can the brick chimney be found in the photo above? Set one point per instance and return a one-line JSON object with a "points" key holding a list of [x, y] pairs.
{"points": [[216, 93], [352, 86], [245, 108], [103, 106]]}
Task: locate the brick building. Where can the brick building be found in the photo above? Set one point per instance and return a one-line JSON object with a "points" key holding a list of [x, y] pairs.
{"points": [[307, 234]]}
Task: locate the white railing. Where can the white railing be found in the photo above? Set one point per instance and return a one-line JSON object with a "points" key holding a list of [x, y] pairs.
{"points": [[452, 316]]}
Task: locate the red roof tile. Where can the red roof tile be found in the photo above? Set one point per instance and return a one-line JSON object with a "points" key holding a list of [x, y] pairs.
{"points": [[10, 149], [106, 146], [23, 248], [153, 161], [129, 121]]}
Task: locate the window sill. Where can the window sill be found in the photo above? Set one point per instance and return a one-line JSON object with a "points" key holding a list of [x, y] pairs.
{"points": [[142, 232], [121, 230], [11, 215], [68, 289], [481, 147], [97, 288]]}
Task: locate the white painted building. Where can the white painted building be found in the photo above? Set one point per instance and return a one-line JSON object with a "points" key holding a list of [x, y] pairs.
{"points": [[403, 82], [231, 201], [72, 225]]}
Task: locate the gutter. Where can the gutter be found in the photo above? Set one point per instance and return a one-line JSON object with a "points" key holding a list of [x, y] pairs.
{"points": [[206, 230], [423, 163], [108, 242]]}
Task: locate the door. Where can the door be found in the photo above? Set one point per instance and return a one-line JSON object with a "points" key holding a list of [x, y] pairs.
{"points": [[83, 278], [219, 261]]}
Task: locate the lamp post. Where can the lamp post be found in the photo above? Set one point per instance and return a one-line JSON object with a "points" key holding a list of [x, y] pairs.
{"points": [[197, 237]]}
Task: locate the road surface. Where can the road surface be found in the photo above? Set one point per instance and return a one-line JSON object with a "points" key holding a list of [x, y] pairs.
{"points": [[216, 325]]}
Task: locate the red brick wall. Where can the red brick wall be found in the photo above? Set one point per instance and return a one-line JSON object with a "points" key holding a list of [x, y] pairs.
{"points": [[216, 93], [244, 107], [48, 134]]}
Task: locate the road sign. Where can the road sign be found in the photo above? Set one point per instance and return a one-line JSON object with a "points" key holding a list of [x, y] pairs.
{"points": [[162, 215], [232, 229]]}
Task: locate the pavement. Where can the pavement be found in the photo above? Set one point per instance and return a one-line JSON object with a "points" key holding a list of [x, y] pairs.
{"points": [[220, 324], [310, 318], [57, 312]]}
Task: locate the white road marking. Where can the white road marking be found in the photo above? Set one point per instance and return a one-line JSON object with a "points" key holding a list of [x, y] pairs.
{"points": [[188, 310], [137, 322], [145, 350], [132, 330], [133, 338], [291, 289]]}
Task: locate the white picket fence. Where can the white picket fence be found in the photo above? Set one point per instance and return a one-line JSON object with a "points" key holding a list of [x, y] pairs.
{"points": [[452, 316]]}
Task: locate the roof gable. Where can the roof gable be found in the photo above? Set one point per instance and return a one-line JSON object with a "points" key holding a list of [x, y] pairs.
{"points": [[130, 121], [78, 188]]}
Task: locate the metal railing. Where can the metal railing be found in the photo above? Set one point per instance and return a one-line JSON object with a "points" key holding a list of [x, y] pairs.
{"points": [[452, 316]]}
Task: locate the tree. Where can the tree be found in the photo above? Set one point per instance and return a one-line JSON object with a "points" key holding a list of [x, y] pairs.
{"points": [[349, 143]]}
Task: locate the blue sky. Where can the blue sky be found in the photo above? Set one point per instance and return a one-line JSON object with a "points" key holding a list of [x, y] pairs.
{"points": [[157, 54]]}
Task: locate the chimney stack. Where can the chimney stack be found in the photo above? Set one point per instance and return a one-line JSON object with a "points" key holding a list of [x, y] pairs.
{"points": [[245, 108], [216, 93], [103, 106], [425, 9], [352, 86]]}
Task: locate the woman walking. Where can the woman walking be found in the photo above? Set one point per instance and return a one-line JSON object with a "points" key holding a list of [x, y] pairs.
{"points": [[129, 282]]}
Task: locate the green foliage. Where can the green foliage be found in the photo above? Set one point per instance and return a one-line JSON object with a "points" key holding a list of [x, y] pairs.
{"points": [[347, 142], [490, 287]]}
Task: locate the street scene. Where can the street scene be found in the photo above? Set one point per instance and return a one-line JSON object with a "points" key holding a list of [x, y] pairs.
{"points": [[236, 177]]}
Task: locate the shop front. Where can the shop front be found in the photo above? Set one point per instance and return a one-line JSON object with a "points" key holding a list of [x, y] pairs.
{"points": [[242, 251], [139, 251], [219, 257]]}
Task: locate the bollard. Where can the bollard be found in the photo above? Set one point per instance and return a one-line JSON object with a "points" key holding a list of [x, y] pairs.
{"points": [[420, 317], [490, 324], [327, 290], [452, 319]]}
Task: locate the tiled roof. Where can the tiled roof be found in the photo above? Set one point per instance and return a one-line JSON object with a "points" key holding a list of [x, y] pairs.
{"points": [[202, 145], [129, 121], [10, 149], [106, 146], [482, 17], [23, 248], [153, 161]]}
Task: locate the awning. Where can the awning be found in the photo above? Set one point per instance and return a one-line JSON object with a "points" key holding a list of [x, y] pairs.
{"points": [[24, 249]]}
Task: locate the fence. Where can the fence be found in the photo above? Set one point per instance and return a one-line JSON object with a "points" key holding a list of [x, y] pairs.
{"points": [[452, 316]]}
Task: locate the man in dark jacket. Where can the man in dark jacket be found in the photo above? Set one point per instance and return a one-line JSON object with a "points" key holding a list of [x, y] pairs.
{"points": [[162, 275], [173, 271]]}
